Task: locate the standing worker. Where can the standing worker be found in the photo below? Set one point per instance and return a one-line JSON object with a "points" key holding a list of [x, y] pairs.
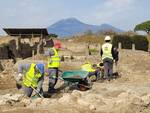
{"points": [[33, 78], [53, 66], [107, 54]]}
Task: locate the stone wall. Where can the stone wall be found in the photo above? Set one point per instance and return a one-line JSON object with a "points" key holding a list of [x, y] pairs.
{"points": [[8, 49], [13, 47]]}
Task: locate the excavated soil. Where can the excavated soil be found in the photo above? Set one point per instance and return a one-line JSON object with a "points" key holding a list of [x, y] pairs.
{"points": [[130, 93]]}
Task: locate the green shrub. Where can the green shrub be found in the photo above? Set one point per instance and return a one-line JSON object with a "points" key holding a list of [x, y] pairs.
{"points": [[93, 50], [124, 40], [141, 42]]}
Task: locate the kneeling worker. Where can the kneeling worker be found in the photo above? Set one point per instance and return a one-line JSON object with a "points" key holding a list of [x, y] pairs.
{"points": [[92, 69], [33, 78]]}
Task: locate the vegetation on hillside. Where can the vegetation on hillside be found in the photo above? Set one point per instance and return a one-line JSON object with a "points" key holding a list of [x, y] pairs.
{"points": [[127, 39]]}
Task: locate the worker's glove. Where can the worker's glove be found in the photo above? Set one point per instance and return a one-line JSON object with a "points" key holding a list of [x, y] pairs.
{"points": [[19, 77], [19, 81], [114, 61]]}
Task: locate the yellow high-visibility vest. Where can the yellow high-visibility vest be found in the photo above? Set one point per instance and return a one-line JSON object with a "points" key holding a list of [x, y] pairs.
{"points": [[54, 61], [87, 67], [106, 48], [30, 78]]}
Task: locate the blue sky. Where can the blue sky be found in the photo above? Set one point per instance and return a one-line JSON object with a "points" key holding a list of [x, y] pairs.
{"points": [[124, 14]]}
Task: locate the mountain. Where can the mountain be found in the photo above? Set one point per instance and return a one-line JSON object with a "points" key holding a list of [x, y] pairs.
{"points": [[72, 26]]}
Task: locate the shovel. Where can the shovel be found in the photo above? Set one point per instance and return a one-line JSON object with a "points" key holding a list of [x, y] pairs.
{"points": [[19, 86], [37, 92]]}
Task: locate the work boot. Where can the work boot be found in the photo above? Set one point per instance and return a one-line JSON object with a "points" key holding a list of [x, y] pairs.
{"points": [[108, 78], [18, 85]]}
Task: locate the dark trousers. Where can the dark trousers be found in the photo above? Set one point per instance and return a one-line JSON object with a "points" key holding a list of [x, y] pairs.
{"points": [[28, 91], [96, 73], [53, 77], [108, 68]]}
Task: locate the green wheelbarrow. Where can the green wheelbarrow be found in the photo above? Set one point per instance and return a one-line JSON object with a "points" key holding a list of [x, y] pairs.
{"points": [[77, 77]]}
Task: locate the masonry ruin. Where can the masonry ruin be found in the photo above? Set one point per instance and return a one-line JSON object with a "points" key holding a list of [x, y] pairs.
{"points": [[25, 41]]}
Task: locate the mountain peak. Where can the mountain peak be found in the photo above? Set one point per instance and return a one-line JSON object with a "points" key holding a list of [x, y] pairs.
{"points": [[72, 26], [71, 19]]}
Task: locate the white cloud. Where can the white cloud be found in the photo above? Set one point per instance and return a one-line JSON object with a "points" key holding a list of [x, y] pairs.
{"points": [[111, 9]]}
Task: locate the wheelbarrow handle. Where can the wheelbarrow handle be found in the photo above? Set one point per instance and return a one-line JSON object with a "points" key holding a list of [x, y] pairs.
{"points": [[60, 71]]}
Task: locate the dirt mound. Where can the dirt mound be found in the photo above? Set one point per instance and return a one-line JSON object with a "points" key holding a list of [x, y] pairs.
{"points": [[101, 99], [134, 66]]}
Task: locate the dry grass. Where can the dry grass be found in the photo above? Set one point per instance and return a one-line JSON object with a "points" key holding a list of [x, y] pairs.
{"points": [[88, 39]]}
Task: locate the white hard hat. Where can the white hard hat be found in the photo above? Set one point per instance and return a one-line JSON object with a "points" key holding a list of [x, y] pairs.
{"points": [[107, 38]]}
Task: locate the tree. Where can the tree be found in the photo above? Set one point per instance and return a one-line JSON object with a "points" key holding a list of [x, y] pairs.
{"points": [[52, 35], [145, 26]]}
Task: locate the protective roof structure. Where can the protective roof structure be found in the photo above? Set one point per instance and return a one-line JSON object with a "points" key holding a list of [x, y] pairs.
{"points": [[25, 31]]}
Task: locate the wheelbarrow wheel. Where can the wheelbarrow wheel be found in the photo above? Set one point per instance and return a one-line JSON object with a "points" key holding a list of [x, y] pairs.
{"points": [[66, 87], [85, 84]]}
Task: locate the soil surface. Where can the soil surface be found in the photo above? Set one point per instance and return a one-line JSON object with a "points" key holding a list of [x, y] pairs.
{"points": [[129, 93]]}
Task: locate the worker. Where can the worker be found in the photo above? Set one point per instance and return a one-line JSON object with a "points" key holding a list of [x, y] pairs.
{"points": [[53, 66], [92, 69], [33, 78], [107, 54]]}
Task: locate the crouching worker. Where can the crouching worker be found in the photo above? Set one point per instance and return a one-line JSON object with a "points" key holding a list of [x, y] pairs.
{"points": [[94, 73], [32, 77]]}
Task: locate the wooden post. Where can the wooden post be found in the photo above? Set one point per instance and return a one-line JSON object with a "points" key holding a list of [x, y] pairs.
{"points": [[119, 46], [88, 50], [133, 47], [33, 57], [40, 45], [17, 44], [99, 47]]}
